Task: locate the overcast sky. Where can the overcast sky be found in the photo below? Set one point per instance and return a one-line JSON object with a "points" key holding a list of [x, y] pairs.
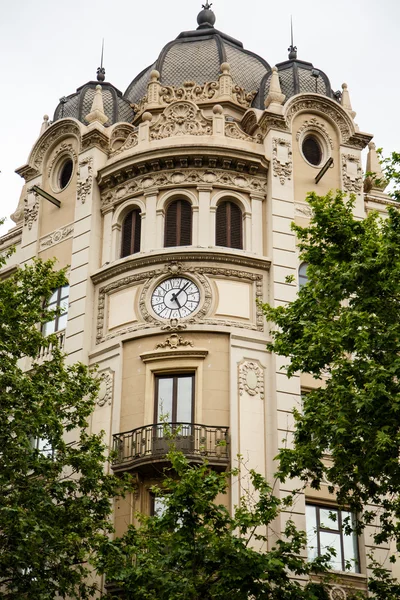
{"points": [[49, 48]]}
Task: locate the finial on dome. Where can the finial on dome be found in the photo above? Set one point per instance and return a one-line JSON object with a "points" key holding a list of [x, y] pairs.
{"points": [[292, 49], [346, 102], [101, 72], [45, 124], [206, 17], [375, 179]]}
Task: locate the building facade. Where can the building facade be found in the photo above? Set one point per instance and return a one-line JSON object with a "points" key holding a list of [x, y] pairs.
{"points": [[174, 212]]}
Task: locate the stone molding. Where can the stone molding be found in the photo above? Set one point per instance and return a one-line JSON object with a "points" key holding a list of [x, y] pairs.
{"points": [[314, 125], [196, 353], [85, 179], [59, 129], [56, 237], [324, 106], [233, 130], [150, 278], [131, 141], [66, 149], [95, 139], [180, 119], [106, 390], [352, 184], [251, 378], [182, 177], [12, 236], [302, 210], [282, 165]]}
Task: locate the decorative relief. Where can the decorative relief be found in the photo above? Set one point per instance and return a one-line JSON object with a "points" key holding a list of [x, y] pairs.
{"points": [[327, 107], [55, 131], [189, 91], [131, 141], [303, 210], [233, 130], [106, 388], [174, 341], [251, 379], [270, 121], [95, 139], [85, 178], [141, 183], [180, 118], [63, 149], [337, 593], [315, 125], [352, 173], [282, 159], [31, 209], [55, 237], [200, 317]]}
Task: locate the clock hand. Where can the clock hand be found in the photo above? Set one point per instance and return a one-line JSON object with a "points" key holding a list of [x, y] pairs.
{"points": [[175, 299], [182, 289]]}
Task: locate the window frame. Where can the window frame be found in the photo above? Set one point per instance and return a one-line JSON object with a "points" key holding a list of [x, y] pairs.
{"points": [[135, 210], [56, 305], [228, 232], [339, 532], [178, 223], [174, 377]]}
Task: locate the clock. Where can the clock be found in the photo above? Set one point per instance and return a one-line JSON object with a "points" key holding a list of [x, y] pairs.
{"points": [[175, 298]]}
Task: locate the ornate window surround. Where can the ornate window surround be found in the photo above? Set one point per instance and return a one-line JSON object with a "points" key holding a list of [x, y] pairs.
{"points": [[116, 227]]}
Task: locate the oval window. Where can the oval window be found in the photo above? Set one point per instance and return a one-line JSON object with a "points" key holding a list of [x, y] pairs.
{"points": [[65, 173], [312, 150]]}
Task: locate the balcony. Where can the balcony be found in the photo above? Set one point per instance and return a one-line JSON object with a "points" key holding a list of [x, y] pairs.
{"points": [[46, 352], [145, 448]]}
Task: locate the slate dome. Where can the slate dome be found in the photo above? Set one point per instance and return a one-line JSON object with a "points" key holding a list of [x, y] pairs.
{"points": [[197, 56]]}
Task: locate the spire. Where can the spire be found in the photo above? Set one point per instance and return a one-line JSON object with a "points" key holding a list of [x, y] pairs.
{"points": [[375, 179], [275, 98], [292, 49], [101, 72], [97, 112], [45, 124], [346, 102], [206, 17]]}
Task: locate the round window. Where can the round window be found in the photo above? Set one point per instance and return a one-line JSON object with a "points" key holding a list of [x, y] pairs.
{"points": [[65, 173], [312, 150]]}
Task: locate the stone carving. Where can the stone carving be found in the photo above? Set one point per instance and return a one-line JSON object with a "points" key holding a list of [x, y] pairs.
{"points": [[174, 325], [327, 107], [56, 130], [315, 125], [55, 237], [164, 179], [31, 209], [242, 97], [233, 130], [63, 149], [178, 119], [337, 593], [95, 139], [270, 121], [148, 278], [85, 179], [131, 141], [106, 388], [189, 91], [251, 379], [282, 159], [352, 173], [174, 341], [303, 210]]}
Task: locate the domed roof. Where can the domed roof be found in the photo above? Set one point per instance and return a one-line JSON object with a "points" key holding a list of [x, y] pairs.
{"points": [[79, 104], [197, 56], [296, 77]]}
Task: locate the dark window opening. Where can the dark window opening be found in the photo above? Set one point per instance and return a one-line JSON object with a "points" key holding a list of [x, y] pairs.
{"points": [[174, 398], [312, 150], [131, 231], [229, 226], [66, 173], [178, 224]]}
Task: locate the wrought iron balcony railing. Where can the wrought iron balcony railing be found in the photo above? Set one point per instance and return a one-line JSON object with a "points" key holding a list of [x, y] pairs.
{"points": [[151, 443]]}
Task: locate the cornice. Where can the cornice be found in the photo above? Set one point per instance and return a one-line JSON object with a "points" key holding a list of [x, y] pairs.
{"points": [[192, 255], [12, 235], [157, 355]]}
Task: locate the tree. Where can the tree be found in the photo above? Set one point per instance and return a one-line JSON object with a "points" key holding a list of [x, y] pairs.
{"points": [[344, 330], [55, 498], [197, 550]]}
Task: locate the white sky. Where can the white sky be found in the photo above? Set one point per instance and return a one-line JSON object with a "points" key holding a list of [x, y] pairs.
{"points": [[48, 48]]}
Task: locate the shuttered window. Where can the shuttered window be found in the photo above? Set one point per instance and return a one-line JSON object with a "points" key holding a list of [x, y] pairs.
{"points": [[131, 228], [178, 224], [229, 225]]}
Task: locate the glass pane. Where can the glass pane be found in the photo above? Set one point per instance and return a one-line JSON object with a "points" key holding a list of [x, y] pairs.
{"points": [[49, 327], [328, 519], [312, 540], [164, 400], [184, 400], [53, 298], [159, 506], [62, 322], [332, 540], [65, 291], [44, 447], [350, 546]]}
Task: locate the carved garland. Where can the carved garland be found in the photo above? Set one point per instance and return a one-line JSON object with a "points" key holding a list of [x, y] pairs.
{"points": [[178, 119], [352, 184], [55, 237], [63, 149], [141, 183], [31, 209], [322, 105], [282, 159], [85, 179], [106, 389], [200, 317], [314, 125], [174, 341], [251, 378]]}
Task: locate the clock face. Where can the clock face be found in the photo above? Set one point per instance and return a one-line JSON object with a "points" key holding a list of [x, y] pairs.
{"points": [[175, 298]]}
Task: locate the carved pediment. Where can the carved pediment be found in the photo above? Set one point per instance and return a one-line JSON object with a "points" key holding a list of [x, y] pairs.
{"points": [[179, 119]]}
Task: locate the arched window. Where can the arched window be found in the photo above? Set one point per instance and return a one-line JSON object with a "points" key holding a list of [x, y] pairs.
{"points": [[303, 275], [229, 226], [178, 224], [131, 228]]}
